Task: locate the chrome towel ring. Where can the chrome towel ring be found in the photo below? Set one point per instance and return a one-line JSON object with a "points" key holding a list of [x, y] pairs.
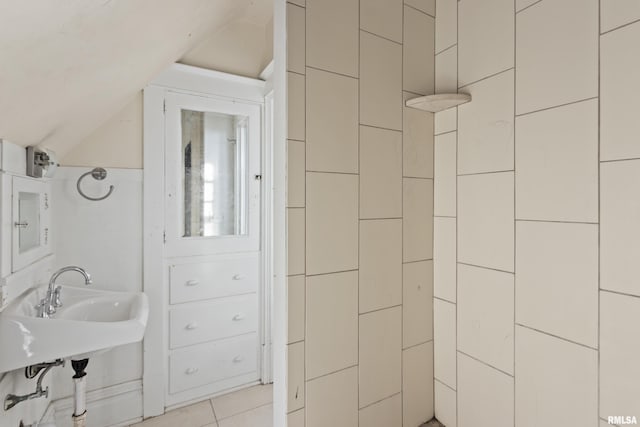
{"points": [[98, 174]]}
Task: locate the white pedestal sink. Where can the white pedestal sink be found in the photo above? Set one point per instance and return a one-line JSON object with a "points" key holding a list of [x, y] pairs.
{"points": [[89, 322]]}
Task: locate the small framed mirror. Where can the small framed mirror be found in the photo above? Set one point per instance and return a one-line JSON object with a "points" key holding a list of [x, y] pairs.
{"points": [[214, 159]]}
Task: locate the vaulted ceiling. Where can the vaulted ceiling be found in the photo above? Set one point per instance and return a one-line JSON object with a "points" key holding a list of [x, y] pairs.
{"points": [[67, 66]]}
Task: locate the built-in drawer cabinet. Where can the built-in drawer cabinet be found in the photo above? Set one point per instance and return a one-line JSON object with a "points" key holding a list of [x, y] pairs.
{"points": [[211, 362], [226, 276], [221, 318]]}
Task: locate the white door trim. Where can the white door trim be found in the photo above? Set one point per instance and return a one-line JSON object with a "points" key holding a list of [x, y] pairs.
{"points": [[196, 81]]}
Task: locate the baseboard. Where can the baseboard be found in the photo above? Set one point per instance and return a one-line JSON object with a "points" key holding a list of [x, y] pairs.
{"points": [[113, 406]]}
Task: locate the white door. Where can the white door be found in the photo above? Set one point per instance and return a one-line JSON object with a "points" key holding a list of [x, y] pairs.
{"points": [[212, 152]]}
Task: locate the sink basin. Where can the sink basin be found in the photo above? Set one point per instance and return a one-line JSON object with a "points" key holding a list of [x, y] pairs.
{"points": [[90, 321]]}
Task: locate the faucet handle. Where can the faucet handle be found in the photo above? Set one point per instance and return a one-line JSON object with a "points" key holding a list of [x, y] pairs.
{"points": [[56, 301], [42, 309]]}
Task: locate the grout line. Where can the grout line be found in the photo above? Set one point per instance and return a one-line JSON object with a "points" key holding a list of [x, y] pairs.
{"points": [[444, 300], [410, 92], [555, 222], [418, 10], [444, 216], [417, 345], [213, 409], [515, 185], [417, 177], [380, 219], [630, 159], [306, 203], [249, 410], [296, 140], [442, 382], [334, 173], [359, 207], [331, 72], [297, 73], [417, 261], [379, 127], [485, 363], [307, 380], [527, 7], [378, 309], [599, 203], [332, 272], [378, 401], [556, 336], [557, 106], [624, 294], [619, 27], [485, 268], [446, 48], [402, 225], [445, 384], [485, 173], [457, 201], [444, 133], [381, 37], [485, 78]]}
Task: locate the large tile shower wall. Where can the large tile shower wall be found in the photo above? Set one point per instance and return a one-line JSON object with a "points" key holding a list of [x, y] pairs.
{"points": [[536, 230], [360, 213]]}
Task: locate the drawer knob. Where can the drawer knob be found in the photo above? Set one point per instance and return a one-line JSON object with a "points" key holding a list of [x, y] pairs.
{"points": [[238, 359], [191, 371], [238, 316], [238, 276], [192, 283], [191, 326]]}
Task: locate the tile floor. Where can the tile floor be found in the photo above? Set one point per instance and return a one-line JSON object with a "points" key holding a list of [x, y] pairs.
{"points": [[251, 407]]}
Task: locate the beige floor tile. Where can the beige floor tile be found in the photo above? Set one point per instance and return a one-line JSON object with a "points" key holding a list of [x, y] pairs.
{"points": [[242, 400], [258, 417], [197, 415]]}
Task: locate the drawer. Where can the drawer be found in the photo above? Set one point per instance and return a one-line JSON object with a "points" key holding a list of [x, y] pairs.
{"points": [[204, 364], [220, 278], [220, 318]]}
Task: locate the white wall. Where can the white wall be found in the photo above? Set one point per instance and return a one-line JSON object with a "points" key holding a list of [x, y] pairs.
{"points": [[105, 238], [536, 229]]}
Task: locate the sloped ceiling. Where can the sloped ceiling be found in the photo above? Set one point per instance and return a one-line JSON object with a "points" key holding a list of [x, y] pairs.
{"points": [[66, 66]]}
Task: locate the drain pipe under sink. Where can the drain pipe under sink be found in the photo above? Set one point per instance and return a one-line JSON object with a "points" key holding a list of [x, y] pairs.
{"points": [[80, 393]]}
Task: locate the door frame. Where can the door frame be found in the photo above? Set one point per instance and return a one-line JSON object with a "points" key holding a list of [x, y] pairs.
{"points": [[196, 81]]}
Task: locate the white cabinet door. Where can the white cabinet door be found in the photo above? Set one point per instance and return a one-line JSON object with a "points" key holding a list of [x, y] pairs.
{"points": [[212, 163]]}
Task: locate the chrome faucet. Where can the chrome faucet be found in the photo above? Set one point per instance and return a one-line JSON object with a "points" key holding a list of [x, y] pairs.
{"points": [[51, 302]]}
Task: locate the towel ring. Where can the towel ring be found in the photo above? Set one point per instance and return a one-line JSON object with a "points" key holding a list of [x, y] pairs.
{"points": [[98, 174]]}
